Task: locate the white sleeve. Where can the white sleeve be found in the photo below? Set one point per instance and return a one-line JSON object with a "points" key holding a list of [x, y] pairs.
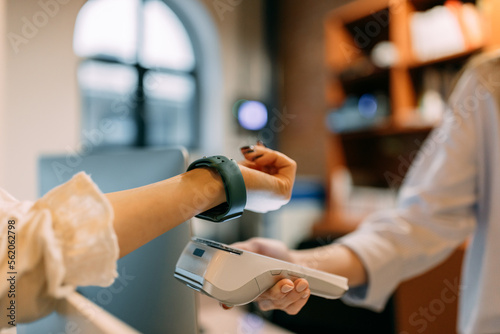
{"points": [[63, 240], [435, 211]]}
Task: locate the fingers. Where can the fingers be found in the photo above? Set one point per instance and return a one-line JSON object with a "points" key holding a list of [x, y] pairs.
{"points": [[285, 295], [258, 245], [271, 162], [260, 156], [268, 247], [269, 176], [250, 245], [253, 152]]}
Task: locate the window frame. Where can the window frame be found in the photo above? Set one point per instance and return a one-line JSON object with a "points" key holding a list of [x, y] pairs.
{"points": [[204, 34], [139, 111]]}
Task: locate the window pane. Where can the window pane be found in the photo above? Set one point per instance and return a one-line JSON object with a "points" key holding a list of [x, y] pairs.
{"points": [[170, 109], [108, 92], [107, 28], [165, 41]]}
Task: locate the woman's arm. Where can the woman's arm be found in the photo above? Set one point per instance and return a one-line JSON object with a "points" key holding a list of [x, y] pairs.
{"points": [[143, 213], [69, 236]]}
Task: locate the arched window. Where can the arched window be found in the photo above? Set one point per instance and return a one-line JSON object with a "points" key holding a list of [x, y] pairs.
{"points": [[138, 77]]}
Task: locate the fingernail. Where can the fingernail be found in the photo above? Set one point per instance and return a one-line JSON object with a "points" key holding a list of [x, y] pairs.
{"points": [[225, 307], [247, 149], [257, 157], [286, 288], [305, 295], [260, 142], [301, 286]]}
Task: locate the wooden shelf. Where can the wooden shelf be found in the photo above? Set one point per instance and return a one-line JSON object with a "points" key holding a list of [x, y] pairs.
{"points": [[362, 74], [462, 56], [351, 32], [421, 5], [385, 130], [358, 10], [351, 72]]}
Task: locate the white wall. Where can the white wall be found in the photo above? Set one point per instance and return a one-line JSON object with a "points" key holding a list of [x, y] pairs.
{"points": [[3, 6], [40, 104], [41, 111]]}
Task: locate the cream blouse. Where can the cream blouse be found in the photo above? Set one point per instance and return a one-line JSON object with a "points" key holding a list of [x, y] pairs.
{"points": [[63, 240]]}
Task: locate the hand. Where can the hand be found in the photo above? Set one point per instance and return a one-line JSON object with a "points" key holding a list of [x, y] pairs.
{"points": [[286, 295], [268, 247], [269, 177]]}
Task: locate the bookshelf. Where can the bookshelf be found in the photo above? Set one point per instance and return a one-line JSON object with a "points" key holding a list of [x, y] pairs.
{"points": [[409, 91], [380, 48]]}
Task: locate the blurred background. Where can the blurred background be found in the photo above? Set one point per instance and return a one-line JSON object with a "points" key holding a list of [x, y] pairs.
{"points": [[349, 89]]}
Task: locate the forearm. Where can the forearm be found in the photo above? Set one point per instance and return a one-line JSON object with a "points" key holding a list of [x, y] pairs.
{"points": [[144, 213], [336, 259]]}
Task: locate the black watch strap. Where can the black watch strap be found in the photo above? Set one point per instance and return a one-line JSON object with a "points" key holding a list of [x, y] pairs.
{"points": [[234, 186]]}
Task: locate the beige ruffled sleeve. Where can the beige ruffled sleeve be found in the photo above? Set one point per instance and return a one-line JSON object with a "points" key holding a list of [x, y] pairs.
{"points": [[63, 240]]}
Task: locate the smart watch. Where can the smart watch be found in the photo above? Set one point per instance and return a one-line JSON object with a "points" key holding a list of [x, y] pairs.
{"points": [[234, 186]]}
